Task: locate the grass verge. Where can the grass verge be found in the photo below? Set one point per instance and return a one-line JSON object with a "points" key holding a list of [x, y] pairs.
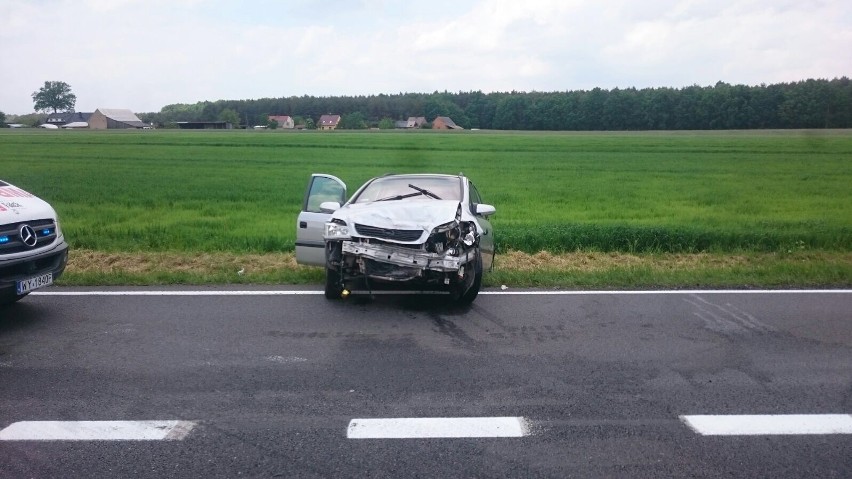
{"points": [[580, 270]]}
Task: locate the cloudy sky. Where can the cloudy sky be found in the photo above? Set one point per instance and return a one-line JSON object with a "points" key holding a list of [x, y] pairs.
{"points": [[145, 54]]}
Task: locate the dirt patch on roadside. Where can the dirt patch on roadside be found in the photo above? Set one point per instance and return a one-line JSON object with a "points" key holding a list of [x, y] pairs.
{"points": [[251, 267], [591, 261], [88, 261]]}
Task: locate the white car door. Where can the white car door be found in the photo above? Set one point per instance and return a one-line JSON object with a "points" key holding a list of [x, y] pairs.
{"points": [[310, 226]]}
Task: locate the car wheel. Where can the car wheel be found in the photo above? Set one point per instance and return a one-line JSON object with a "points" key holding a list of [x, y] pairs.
{"points": [[333, 289], [466, 297]]}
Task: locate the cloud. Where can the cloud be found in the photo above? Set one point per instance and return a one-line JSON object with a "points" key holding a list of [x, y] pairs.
{"points": [[751, 42], [144, 54]]}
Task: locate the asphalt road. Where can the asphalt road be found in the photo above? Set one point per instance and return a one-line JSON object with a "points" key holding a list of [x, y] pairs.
{"points": [[271, 383]]}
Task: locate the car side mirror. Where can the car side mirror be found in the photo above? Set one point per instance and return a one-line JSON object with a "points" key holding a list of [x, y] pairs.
{"points": [[329, 206], [485, 210]]}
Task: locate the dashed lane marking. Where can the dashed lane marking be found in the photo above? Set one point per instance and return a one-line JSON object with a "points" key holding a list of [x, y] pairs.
{"points": [[424, 428], [771, 424], [97, 431], [437, 427]]}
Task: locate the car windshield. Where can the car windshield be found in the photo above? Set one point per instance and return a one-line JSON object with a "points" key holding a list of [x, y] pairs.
{"points": [[397, 187]]}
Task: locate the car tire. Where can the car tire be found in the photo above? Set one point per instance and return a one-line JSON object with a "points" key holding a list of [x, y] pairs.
{"points": [[333, 289], [465, 298]]}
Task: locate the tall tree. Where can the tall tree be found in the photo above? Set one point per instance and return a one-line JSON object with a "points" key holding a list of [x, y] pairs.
{"points": [[55, 95], [353, 121], [230, 116]]}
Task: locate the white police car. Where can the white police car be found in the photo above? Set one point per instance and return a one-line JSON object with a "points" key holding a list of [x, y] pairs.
{"points": [[33, 251]]}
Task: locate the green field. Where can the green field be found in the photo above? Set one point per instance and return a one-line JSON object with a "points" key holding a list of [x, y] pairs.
{"points": [[657, 192]]}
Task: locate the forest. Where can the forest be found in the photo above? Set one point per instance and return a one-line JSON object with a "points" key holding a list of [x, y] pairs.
{"points": [[812, 103]]}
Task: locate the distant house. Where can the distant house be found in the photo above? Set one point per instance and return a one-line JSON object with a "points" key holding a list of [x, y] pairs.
{"points": [[283, 121], [416, 121], [412, 122], [205, 125], [64, 118], [114, 119], [328, 122], [445, 123], [58, 119]]}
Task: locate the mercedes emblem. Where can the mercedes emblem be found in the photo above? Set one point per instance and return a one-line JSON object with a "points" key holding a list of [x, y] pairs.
{"points": [[28, 235]]}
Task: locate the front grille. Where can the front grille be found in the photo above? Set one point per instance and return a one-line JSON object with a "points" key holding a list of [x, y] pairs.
{"points": [[10, 235], [388, 234]]}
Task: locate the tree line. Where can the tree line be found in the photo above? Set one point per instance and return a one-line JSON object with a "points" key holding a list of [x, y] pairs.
{"points": [[813, 103]]}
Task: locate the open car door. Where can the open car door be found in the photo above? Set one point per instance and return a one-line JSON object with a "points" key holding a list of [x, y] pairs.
{"points": [[310, 226]]}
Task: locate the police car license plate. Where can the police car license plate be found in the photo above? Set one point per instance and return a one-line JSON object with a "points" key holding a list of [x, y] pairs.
{"points": [[27, 285]]}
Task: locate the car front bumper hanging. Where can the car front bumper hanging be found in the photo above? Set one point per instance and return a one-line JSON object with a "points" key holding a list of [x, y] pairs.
{"points": [[409, 258]]}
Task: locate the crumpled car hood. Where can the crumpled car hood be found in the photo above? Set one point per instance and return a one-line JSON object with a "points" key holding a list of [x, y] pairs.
{"points": [[401, 215]]}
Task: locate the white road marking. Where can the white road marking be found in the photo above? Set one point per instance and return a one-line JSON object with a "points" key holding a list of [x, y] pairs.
{"points": [[489, 293], [176, 293], [437, 427], [769, 424], [671, 291], [97, 431], [285, 359]]}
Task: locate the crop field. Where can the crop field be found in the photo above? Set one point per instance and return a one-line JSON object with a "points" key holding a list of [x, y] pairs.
{"points": [[644, 192]]}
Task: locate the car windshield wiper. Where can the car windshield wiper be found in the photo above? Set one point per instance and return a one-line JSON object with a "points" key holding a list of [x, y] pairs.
{"points": [[420, 191], [425, 191]]}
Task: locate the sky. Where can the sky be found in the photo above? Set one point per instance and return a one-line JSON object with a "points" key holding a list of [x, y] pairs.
{"points": [[145, 54]]}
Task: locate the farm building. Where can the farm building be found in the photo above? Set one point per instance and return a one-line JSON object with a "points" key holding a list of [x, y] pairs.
{"points": [[328, 122], [416, 121], [113, 119], [284, 121], [68, 117], [412, 122], [445, 123]]}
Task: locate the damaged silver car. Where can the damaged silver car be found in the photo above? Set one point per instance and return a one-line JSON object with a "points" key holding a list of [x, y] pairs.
{"points": [[413, 232]]}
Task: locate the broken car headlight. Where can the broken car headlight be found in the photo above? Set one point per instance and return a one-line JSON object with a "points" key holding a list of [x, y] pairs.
{"points": [[446, 227], [469, 238], [336, 230]]}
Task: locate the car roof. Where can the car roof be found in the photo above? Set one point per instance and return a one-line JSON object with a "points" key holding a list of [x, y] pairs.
{"points": [[409, 175]]}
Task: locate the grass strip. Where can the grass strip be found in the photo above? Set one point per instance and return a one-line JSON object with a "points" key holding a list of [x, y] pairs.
{"points": [[579, 270]]}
